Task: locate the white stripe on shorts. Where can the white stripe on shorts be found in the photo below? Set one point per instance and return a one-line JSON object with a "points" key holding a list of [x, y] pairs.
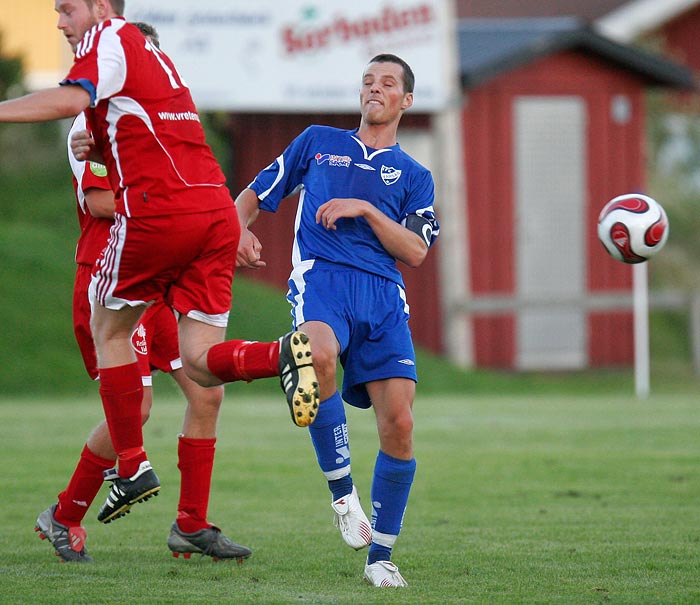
{"points": [[297, 277], [105, 280]]}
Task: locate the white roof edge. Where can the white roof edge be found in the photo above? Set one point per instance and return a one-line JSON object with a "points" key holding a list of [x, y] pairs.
{"points": [[639, 16]]}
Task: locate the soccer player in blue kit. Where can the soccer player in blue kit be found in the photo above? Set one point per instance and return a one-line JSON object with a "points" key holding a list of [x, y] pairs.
{"points": [[364, 204]]}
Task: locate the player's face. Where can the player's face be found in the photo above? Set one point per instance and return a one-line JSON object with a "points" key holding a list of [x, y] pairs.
{"points": [[75, 17], [382, 96]]}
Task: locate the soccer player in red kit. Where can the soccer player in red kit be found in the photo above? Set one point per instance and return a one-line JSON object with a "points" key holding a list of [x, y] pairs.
{"points": [[175, 231], [155, 343]]}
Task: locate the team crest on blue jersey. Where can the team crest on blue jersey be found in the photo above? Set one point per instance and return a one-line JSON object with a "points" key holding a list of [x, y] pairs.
{"points": [[333, 160], [390, 175]]}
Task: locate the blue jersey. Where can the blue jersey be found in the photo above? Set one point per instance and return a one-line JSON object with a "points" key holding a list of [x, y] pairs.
{"points": [[325, 163]]}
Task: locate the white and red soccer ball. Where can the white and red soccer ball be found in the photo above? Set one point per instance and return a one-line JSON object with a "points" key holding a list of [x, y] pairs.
{"points": [[632, 227]]}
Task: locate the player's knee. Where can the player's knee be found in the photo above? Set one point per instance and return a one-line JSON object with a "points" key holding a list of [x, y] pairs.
{"points": [[399, 425], [325, 360], [199, 373], [404, 425]]}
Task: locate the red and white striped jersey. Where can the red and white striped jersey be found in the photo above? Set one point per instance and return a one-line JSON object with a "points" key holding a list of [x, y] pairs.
{"points": [[146, 125]]}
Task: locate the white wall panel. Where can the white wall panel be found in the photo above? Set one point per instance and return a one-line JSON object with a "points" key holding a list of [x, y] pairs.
{"points": [[550, 181]]}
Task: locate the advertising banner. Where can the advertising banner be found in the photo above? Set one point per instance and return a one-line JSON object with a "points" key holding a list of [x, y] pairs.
{"points": [[298, 55]]}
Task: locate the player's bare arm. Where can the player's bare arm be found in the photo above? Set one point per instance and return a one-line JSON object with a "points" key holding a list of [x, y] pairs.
{"points": [[249, 246], [399, 241], [45, 105], [100, 202]]}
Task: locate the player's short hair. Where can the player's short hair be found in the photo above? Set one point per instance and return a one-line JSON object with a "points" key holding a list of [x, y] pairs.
{"points": [[149, 31], [409, 80], [117, 5]]}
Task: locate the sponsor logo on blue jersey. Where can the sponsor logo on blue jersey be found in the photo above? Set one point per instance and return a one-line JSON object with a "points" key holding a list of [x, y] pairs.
{"points": [[390, 175], [333, 160]]}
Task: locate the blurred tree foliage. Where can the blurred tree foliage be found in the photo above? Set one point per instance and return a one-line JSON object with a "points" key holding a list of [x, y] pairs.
{"points": [[10, 72], [673, 172], [673, 158], [24, 147]]}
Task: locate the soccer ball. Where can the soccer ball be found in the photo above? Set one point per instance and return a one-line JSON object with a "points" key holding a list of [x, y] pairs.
{"points": [[632, 227]]}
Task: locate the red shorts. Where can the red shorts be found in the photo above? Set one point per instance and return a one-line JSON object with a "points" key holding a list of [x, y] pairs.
{"points": [[81, 319], [154, 340], [188, 259]]}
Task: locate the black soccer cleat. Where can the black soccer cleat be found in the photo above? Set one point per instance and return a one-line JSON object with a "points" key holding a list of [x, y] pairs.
{"points": [[298, 378], [69, 542], [208, 541], [124, 493]]}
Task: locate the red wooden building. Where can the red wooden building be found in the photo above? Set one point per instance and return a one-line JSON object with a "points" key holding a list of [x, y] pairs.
{"points": [[673, 27], [552, 127]]}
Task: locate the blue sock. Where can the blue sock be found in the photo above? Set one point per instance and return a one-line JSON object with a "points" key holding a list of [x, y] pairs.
{"points": [[378, 553], [390, 489], [340, 487], [329, 435]]}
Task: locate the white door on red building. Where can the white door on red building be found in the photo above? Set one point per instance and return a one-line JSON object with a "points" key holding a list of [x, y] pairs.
{"points": [[550, 150]]}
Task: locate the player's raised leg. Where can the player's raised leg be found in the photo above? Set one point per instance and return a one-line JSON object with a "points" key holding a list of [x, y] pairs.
{"points": [[210, 362]]}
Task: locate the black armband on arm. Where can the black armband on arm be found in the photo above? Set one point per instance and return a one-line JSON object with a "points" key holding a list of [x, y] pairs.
{"points": [[419, 225]]}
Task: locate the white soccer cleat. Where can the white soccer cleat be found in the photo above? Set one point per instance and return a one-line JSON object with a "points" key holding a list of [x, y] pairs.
{"points": [[352, 521], [384, 574]]}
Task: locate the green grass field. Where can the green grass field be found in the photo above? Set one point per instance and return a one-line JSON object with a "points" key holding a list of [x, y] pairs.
{"points": [[517, 499], [532, 488]]}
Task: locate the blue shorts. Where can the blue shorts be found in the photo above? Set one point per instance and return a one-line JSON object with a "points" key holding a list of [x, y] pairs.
{"points": [[369, 316]]}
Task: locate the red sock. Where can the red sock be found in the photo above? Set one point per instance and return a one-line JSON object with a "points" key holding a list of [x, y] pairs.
{"points": [[122, 391], [196, 462], [82, 488], [243, 360]]}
